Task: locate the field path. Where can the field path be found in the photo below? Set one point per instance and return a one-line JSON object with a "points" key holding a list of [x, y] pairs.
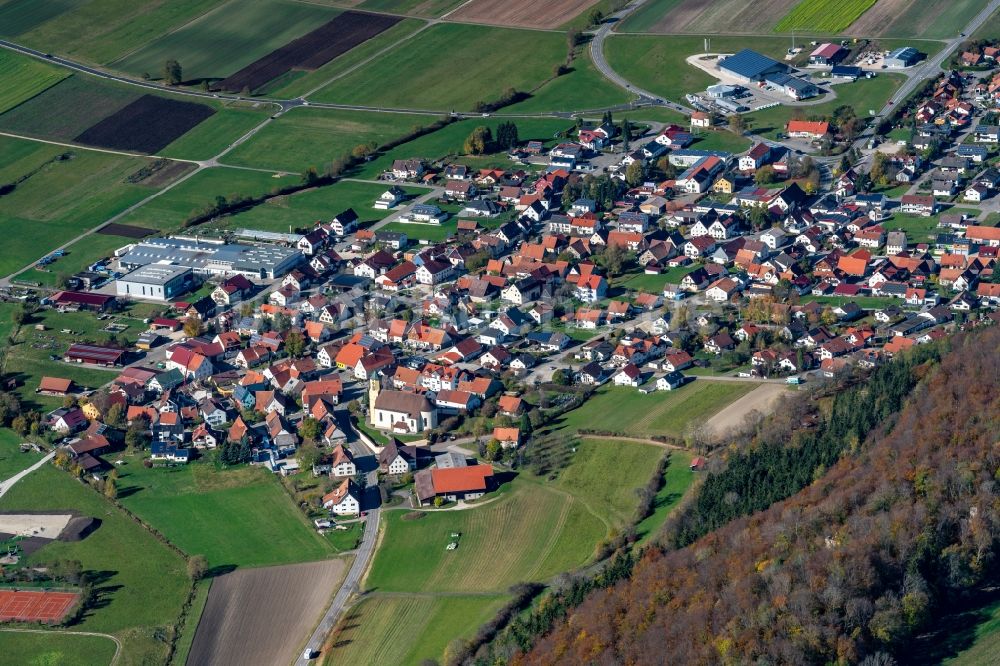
{"points": [[9, 483], [762, 399], [118, 643]]}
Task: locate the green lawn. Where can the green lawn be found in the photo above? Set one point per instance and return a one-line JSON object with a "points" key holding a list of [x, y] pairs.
{"points": [[58, 198], [421, 73], [25, 77], [169, 211], [345, 540], [302, 209], [406, 629], [721, 140], [236, 517], [604, 474], [582, 88], [823, 15], [553, 532], [429, 232], [140, 583], [306, 138], [863, 95], [653, 284], [985, 641], [297, 82], [96, 31], [12, 460], [919, 228], [56, 648], [227, 39], [449, 140], [625, 410], [677, 478], [6, 321]]}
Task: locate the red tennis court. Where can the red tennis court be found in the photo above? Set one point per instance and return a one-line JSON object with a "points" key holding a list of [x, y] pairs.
{"points": [[24, 606]]}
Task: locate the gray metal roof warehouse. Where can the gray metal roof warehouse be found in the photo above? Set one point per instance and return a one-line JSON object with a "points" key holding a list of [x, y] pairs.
{"points": [[213, 257]]}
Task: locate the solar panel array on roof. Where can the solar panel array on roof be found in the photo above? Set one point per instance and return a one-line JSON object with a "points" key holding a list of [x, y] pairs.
{"points": [[749, 64]]}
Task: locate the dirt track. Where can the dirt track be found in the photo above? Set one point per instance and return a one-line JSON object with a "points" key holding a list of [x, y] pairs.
{"points": [[521, 13], [763, 399], [263, 616]]}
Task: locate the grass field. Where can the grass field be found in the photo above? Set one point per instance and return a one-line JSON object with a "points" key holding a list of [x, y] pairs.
{"points": [[625, 410], [429, 232], [677, 478], [863, 95], [652, 284], [79, 256], [553, 531], [937, 19], [213, 135], [54, 648], [46, 116], [449, 140], [422, 72], [236, 517], [182, 648], [823, 16], [96, 31], [314, 137], [721, 140], [227, 39], [25, 77], [58, 198], [582, 88], [410, 627], [985, 639], [298, 82], [12, 460], [303, 209], [140, 583], [168, 212]]}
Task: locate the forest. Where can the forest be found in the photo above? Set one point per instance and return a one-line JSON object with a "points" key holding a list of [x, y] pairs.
{"points": [[902, 526]]}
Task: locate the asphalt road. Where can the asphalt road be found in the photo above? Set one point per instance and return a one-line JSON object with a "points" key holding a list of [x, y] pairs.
{"points": [[347, 589]]}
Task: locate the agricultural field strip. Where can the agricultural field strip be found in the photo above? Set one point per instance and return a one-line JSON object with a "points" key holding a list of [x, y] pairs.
{"points": [[118, 643]]}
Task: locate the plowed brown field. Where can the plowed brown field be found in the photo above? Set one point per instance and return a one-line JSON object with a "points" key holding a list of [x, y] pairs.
{"points": [[723, 16], [521, 13], [263, 616]]}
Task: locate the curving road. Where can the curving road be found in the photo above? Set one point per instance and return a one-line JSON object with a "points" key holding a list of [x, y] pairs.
{"points": [[9, 483], [347, 589], [118, 644]]}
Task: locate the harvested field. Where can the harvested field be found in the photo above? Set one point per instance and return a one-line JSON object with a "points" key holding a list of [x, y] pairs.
{"points": [[278, 606], [23, 606], [903, 18], [146, 125], [762, 399], [722, 16], [521, 13], [312, 50], [67, 108], [126, 230]]}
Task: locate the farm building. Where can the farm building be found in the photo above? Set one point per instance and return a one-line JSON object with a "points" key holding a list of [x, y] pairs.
{"points": [[157, 282], [453, 484], [214, 258], [827, 54], [904, 56], [847, 72], [54, 386], [750, 66], [94, 354], [792, 86], [82, 300]]}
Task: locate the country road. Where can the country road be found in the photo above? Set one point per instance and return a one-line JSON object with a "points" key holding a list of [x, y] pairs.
{"points": [[9, 483], [347, 589]]}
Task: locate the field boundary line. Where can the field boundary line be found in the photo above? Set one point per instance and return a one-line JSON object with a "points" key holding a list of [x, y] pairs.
{"points": [[118, 643], [66, 144], [553, 539]]}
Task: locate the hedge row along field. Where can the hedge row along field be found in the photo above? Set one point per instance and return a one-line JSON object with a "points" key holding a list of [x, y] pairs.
{"points": [[311, 51], [823, 16], [146, 125]]}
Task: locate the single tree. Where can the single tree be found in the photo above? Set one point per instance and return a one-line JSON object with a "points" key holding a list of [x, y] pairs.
{"points": [[172, 72], [295, 343], [197, 567]]}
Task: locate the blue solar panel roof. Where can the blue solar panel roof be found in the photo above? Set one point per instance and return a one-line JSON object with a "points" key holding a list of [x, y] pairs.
{"points": [[751, 64]]}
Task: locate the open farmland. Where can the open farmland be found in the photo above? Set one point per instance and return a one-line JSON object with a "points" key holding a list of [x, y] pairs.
{"points": [[58, 193], [278, 606], [717, 17], [227, 38], [819, 16], [204, 511], [424, 8], [68, 108], [521, 13], [450, 67], [96, 31], [140, 584], [411, 628], [24, 78], [146, 125], [310, 51], [582, 88], [306, 137], [928, 19]]}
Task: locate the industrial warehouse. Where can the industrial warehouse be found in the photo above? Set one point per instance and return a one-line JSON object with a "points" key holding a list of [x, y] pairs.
{"points": [[211, 257]]}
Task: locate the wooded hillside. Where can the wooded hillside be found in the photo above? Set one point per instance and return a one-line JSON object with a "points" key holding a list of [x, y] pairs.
{"points": [[850, 567]]}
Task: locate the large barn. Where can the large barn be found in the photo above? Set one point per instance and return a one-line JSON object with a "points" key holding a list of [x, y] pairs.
{"points": [[750, 66]]}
